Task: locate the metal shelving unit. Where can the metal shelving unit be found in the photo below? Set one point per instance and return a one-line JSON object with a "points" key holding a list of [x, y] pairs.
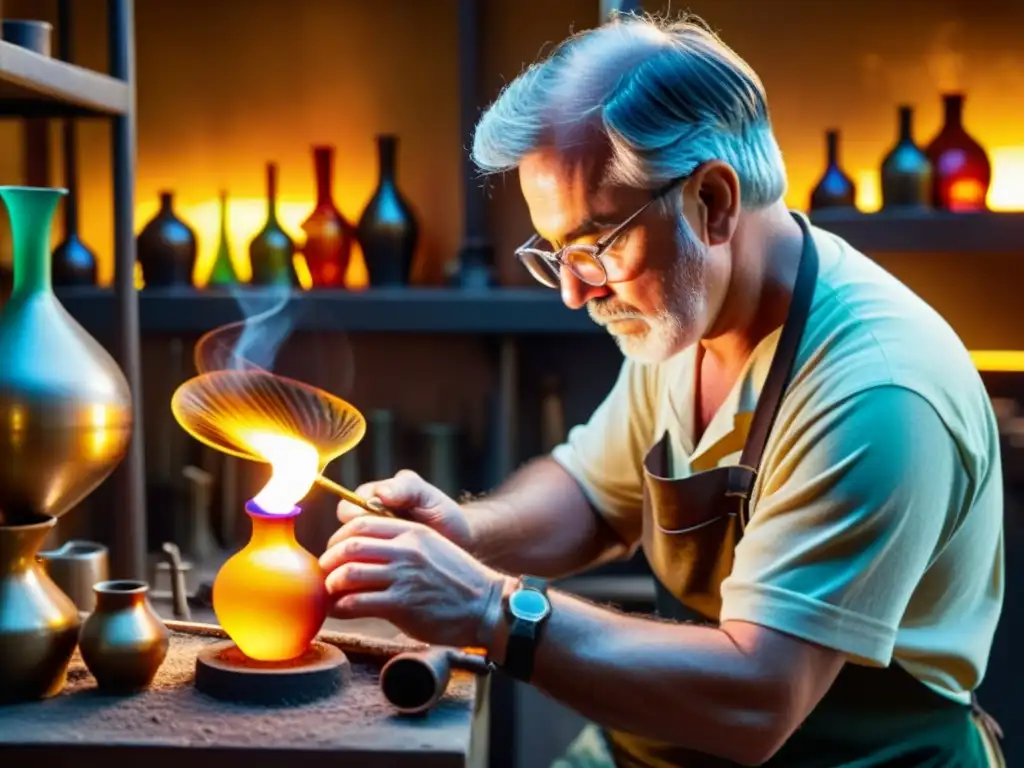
{"points": [[926, 232], [502, 311], [35, 86]]}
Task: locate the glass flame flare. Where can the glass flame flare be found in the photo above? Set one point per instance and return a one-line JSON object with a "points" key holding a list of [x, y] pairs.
{"points": [[235, 412], [294, 466]]}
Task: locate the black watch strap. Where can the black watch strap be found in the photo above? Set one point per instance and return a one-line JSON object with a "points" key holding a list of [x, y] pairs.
{"points": [[523, 634]]}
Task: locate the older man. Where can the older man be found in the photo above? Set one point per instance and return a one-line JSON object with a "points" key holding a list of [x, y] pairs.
{"points": [[801, 446]]}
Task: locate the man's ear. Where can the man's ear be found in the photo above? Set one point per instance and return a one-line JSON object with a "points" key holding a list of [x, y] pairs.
{"points": [[711, 200]]}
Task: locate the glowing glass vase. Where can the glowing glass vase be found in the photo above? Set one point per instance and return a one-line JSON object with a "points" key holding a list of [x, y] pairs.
{"points": [[270, 597]]}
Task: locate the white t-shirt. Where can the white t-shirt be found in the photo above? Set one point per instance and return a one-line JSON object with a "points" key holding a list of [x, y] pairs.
{"points": [[877, 517]]}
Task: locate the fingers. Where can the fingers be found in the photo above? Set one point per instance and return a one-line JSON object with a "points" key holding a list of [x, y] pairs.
{"points": [[364, 605], [365, 549], [406, 490], [372, 526], [356, 577]]}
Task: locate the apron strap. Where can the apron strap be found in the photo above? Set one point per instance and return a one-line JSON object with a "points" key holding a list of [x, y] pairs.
{"points": [[770, 399]]}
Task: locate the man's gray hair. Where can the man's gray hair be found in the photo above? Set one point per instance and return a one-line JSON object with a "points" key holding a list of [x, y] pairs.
{"points": [[666, 95]]}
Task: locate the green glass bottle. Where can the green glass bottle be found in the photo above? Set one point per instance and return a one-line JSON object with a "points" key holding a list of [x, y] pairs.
{"points": [[223, 270], [272, 251]]}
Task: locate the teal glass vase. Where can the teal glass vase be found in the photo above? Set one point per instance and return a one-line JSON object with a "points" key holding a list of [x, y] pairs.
{"points": [[65, 405]]}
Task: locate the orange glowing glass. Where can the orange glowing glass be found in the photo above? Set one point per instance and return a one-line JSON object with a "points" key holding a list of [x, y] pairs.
{"points": [[270, 597]]}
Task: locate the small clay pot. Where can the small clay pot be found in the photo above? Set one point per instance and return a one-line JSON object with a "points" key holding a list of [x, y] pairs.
{"points": [[123, 642]]}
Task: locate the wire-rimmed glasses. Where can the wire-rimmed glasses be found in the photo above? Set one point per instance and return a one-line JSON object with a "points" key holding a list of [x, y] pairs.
{"points": [[585, 261]]}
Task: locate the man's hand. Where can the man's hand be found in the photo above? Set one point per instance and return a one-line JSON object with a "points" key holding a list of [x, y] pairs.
{"points": [[414, 498], [412, 576]]}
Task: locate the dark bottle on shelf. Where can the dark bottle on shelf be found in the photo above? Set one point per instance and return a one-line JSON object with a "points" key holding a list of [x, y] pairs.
{"points": [[223, 272], [329, 235], [272, 251], [906, 171], [166, 248], [388, 231], [73, 263], [961, 171], [835, 189]]}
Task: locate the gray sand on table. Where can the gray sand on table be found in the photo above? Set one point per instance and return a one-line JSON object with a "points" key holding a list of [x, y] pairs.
{"points": [[172, 712]]}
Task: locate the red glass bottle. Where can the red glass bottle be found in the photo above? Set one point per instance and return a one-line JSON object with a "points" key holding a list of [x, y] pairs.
{"points": [[329, 235], [961, 171]]}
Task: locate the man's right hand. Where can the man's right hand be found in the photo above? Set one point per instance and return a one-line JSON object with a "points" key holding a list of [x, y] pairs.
{"points": [[412, 497]]}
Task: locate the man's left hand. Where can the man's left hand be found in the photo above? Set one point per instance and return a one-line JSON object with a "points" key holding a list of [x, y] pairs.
{"points": [[412, 576]]}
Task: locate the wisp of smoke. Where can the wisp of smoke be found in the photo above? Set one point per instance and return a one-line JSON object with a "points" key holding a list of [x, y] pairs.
{"points": [[254, 341]]}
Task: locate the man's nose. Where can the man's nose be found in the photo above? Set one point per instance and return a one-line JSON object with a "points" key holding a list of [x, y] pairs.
{"points": [[576, 293]]}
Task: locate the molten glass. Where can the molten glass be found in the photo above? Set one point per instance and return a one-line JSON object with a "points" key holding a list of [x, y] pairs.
{"points": [[235, 411], [270, 597]]}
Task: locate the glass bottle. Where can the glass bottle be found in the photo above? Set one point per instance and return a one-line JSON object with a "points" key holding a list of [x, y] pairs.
{"points": [[388, 230], [73, 262], [272, 250], [961, 171], [329, 235], [835, 189], [906, 171], [223, 272], [166, 248]]}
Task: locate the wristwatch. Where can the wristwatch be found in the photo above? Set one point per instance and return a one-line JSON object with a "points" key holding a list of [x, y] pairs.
{"points": [[527, 609]]}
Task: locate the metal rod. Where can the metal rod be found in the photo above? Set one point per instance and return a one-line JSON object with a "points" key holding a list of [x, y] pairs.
{"points": [[373, 506], [65, 50], [474, 224], [128, 554]]}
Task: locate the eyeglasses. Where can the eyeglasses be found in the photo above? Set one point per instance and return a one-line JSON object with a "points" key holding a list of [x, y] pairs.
{"points": [[585, 261]]}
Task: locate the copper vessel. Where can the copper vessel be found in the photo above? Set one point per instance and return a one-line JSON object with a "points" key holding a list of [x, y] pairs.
{"points": [[65, 406], [38, 623], [123, 642]]}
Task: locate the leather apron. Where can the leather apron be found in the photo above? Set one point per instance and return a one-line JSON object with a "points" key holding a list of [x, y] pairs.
{"points": [[870, 716]]}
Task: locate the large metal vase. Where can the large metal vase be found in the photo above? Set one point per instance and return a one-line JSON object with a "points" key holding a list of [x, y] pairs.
{"points": [[65, 423], [65, 406], [38, 623]]}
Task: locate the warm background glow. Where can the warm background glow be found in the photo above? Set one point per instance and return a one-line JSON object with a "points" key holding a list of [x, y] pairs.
{"points": [[217, 100]]}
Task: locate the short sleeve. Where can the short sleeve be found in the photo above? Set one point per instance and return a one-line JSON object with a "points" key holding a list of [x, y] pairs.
{"points": [[605, 455], [850, 517]]}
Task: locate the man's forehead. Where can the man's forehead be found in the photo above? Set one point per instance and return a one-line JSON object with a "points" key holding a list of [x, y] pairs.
{"points": [[576, 170], [565, 192]]}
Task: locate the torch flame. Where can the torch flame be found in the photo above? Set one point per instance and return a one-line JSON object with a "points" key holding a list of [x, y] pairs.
{"points": [[294, 465]]}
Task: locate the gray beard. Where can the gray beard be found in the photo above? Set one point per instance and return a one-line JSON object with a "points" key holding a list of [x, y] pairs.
{"points": [[676, 327]]}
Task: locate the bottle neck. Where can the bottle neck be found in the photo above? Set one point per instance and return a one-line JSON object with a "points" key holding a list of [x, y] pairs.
{"points": [[387, 148], [954, 109], [223, 217], [167, 203], [19, 545], [323, 164], [906, 125], [31, 211], [120, 595], [832, 147], [271, 193], [271, 530]]}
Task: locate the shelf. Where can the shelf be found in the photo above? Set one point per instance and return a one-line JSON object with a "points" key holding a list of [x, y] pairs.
{"points": [[39, 86], [927, 232], [385, 310]]}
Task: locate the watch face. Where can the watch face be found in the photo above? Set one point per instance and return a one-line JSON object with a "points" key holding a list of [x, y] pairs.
{"points": [[529, 605]]}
